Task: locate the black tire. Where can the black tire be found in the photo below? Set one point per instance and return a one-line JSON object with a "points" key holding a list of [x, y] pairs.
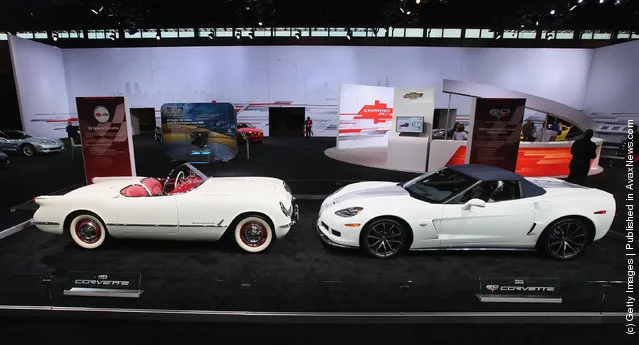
{"points": [[565, 239], [27, 150], [384, 238]]}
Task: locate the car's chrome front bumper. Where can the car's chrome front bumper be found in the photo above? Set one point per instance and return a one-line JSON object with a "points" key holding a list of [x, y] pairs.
{"points": [[325, 238], [49, 149]]}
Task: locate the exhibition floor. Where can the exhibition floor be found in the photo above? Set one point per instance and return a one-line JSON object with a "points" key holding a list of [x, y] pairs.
{"points": [[298, 273]]}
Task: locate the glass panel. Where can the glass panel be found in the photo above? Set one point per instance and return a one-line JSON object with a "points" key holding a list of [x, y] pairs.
{"points": [[186, 33], [415, 33], [169, 33], [75, 34], [3, 36], [223, 33], [283, 32], [359, 32], [472, 33], [527, 34], [635, 36], [434, 33], [399, 32], [204, 32], [487, 33], [303, 31], [381, 32], [586, 35], [565, 35], [149, 33], [510, 34], [337, 32], [41, 35], [602, 36], [135, 35], [623, 34], [115, 33], [62, 34], [452, 33], [27, 35], [319, 32], [263, 32]]}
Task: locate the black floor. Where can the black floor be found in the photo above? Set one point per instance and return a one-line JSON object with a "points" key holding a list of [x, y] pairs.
{"points": [[298, 273]]}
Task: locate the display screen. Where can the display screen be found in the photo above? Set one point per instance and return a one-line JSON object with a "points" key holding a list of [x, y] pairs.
{"points": [[410, 124]]}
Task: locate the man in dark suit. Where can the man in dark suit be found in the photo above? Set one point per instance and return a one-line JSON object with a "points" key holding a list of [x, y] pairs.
{"points": [[583, 150]]}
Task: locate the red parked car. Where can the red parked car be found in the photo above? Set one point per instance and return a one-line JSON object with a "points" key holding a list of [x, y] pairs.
{"points": [[253, 134]]}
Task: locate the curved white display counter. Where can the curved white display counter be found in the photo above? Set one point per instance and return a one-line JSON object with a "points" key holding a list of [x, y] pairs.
{"points": [[535, 159]]}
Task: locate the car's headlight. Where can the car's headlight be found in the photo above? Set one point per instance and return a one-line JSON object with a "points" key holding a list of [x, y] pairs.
{"points": [[349, 212], [38, 142], [284, 210]]}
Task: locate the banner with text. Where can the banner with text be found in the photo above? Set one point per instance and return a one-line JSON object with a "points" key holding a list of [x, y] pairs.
{"points": [[495, 132], [365, 116], [105, 130]]}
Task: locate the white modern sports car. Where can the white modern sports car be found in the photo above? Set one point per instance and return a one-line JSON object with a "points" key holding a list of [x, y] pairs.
{"points": [[186, 205], [466, 206]]}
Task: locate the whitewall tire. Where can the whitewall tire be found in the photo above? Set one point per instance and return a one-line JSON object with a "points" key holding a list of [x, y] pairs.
{"points": [[87, 231], [253, 234]]}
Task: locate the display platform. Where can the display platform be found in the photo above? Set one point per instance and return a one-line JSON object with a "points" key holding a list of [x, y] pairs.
{"points": [[298, 274]]}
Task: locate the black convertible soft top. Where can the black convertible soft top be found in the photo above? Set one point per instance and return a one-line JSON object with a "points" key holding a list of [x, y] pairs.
{"points": [[490, 173]]}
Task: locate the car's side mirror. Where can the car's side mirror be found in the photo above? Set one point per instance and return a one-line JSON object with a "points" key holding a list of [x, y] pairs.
{"points": [[474, 203]]}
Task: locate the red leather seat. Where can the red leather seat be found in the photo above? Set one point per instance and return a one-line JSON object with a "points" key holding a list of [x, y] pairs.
{"points": [[134, 190], [153, 185]]}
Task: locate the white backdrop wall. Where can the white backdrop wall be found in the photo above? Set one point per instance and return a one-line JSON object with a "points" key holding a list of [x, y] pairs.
{"points": [[42, 92], [310, 75], [613, 86]]}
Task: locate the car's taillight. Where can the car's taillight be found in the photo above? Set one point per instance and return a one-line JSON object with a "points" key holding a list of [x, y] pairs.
{"points": [[601, 212]]}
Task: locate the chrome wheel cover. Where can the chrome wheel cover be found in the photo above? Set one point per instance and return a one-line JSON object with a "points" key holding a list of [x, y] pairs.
{"points": [[88, 230], [28, 150], [253, 234], [384, 239], [567, 239]]}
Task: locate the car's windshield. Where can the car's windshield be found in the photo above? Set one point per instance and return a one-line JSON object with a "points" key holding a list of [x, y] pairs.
{"points": [[439, 186], [17, 135], [245, 125]]}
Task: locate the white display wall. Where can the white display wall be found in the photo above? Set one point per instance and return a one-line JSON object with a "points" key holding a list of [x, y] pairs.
{"points": [[310, 76]]}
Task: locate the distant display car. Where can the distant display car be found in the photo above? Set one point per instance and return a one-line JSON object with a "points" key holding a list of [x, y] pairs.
{"points": [[253, 134], [467, 206], [4, 159], [27, 145], [185, 206]]}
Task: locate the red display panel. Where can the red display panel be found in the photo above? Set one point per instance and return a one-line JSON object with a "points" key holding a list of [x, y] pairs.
{"points": [[107, 146]]}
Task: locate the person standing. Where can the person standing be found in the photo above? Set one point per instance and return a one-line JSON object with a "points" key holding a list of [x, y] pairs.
{"points": [[460, 134], [308, 128], [583, 150], [528, 131]]}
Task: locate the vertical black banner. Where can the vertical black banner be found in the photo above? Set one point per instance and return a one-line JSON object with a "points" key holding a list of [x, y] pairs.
{"points": [[496, 131]]}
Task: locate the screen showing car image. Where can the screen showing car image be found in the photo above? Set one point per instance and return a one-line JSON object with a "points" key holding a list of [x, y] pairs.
{"points": [[410, 124]]}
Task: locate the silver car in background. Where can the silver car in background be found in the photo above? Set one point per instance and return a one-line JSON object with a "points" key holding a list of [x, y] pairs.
{"points": [[27, 145]]}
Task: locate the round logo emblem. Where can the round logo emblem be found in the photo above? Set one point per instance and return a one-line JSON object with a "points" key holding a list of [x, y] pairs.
{"points": [[101, 114]]}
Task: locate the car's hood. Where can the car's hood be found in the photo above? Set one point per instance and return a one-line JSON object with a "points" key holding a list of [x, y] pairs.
{"points": [[249, 130], [368, 190], [43, 141], [241, 186], [105, 186]]}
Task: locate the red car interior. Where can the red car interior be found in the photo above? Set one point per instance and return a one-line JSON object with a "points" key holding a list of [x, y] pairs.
{"points": [[153, 185], [186, 184], [134, 190]]}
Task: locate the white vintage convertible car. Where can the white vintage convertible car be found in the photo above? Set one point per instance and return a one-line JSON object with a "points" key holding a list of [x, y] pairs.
{"points": [[186, 206], [469, 207]]}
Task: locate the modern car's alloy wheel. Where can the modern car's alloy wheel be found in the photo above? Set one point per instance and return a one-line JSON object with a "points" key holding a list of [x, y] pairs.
{"points": [[28, 150], [384, 238], [87, 231], [253, 234], [565, 239]]}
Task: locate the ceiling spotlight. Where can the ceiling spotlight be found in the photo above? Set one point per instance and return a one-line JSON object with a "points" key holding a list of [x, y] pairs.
{"points": [[601, 1], [618, 2], [259, 23], [418, 1], [537, 23], [55, 37], [580, 1], [94, 11], [552, 12], [251, 35], [157, 36], [112, 36], [401, 9], [549, 36], [247, 8], [211, 35], [522, 26], [573, 7], [238, 34], [498, 36], [349, 34], [408, 13], [298, 34]]}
